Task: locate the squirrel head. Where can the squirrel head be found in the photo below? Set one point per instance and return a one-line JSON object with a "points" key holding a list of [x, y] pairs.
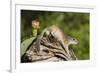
{"points": [[71, 40], [35, 24]]}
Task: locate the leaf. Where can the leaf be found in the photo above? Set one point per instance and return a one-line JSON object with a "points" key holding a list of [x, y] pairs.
{"points": [[25, 44]]}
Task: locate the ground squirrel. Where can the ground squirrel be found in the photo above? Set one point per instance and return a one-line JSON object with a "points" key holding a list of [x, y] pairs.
{"points": [[35, 27]]}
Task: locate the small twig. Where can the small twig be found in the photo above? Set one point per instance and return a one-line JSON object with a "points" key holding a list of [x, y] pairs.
{"points": [[72, 52]]}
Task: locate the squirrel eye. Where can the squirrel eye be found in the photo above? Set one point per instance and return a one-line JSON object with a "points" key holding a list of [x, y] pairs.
{"points": [[73, 39]]}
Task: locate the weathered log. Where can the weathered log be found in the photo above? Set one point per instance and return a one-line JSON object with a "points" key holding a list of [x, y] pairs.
{"points": [[50, 49]]}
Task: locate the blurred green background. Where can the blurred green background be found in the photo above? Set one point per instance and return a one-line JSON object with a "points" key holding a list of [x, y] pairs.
{"points": [[75, 24]]}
